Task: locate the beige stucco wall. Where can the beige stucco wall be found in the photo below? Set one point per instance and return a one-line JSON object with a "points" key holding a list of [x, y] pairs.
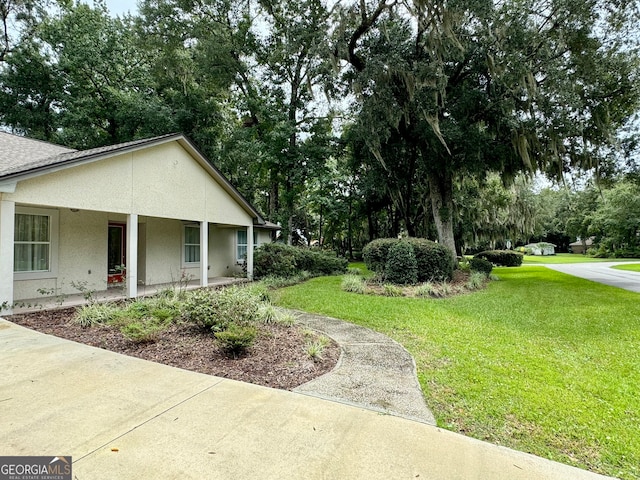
{"points": [[82, 257], [162, 181], [163, 253], [222, 252]]}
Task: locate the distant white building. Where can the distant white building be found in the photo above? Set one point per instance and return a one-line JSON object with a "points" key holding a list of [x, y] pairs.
{"points": [[542, 248]]}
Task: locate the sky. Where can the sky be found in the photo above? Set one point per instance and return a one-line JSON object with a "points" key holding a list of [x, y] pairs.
{"points": [[119, 7]]}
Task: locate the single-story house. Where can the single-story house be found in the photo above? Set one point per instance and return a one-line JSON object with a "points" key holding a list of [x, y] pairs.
{"points": [[581, 247], [542, 248], [145, 212]]}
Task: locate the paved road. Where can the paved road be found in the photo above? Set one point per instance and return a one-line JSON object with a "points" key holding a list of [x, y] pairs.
{"points": [[601, 273]]}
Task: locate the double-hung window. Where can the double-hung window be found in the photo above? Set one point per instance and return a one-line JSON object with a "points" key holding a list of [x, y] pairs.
{"points": [[191, 244], [241, 244], [35, 242]]}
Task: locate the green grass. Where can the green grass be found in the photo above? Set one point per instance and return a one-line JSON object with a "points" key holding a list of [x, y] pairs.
{"points": [[571, 258], [539, 361], [634, 267]]}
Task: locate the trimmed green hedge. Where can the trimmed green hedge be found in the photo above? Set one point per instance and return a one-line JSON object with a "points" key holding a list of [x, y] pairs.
{"points": [[480, 265], [435, 261], [503, 258], [280, 260], [401, 267]]}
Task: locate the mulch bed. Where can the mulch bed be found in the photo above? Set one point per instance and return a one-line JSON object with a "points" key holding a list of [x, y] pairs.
{"points": [[277, 359]]}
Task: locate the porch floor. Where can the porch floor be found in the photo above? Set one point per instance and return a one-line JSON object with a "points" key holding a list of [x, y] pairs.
{"points": [[112, 294]]}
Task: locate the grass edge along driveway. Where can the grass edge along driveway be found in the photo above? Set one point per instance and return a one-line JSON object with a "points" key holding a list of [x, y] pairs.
{"points": [[540, 361]]}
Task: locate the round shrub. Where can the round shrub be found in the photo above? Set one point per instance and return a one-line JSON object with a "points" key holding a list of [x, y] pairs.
{"points": [[504, 258], [375, 253], [275, 259], [401, 267], [480, 265], [435, 261], [237, 338], [217, 309]]}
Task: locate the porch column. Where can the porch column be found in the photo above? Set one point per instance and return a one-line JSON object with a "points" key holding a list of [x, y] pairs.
{"points": [[7, 224], [132, 255], [250, 252], [204, 254]]}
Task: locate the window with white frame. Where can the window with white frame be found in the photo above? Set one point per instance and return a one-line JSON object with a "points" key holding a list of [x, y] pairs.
{"points": [[35, 242], [191, 251], [241, 245]]}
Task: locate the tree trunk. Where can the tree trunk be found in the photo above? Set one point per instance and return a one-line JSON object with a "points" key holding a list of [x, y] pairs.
{"points": [[441, 193]]}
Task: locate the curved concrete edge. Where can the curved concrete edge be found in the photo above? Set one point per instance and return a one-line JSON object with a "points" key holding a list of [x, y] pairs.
{"points": [[373, 371]]}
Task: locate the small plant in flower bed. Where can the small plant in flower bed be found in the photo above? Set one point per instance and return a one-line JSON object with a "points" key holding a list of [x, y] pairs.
{"points": [[353, 283], [236, 339]]}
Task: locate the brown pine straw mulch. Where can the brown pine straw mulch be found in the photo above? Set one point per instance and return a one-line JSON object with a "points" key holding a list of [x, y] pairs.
{"points": [[278, 359]]}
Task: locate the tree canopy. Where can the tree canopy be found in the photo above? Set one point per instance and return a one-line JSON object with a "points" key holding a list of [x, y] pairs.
{"points": [[353, 120]]}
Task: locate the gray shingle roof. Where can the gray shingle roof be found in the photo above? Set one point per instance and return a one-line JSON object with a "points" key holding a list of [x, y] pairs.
{"points": [[21, 155], [16, 151]]}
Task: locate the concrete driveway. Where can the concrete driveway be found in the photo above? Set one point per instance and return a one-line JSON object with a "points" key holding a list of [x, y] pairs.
{"points": [[601, 273], [124, 418]]}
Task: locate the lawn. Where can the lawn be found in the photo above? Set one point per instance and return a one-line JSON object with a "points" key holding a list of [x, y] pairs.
{"points": [[571, 258], [634, 267], [539, 361]]}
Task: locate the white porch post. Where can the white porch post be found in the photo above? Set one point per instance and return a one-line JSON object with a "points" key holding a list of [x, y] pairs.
{"points": [[250, 252], [204, 254], [132, 255], [7, 225]]}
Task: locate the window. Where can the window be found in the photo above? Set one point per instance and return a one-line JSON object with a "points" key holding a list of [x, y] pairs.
{"points": [[241, 251], [191, 244], [32, 251], [255, 239], [35, 243]]}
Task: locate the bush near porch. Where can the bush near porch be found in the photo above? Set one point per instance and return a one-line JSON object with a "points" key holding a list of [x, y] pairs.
{"points": [[285, 261]]}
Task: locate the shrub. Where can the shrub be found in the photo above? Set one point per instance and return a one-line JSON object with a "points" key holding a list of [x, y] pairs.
{"points": [[374, 254], [435, 261], [237, 338], [279, 282], [353, 283], [143, 331], [274, 259], [217, 309], [480, 265], [280, 260], [95, 313], [401, 267], [505, 258]]}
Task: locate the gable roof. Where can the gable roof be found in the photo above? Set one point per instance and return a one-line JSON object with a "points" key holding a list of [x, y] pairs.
{"points": [[22, 158], [17, 151]]}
